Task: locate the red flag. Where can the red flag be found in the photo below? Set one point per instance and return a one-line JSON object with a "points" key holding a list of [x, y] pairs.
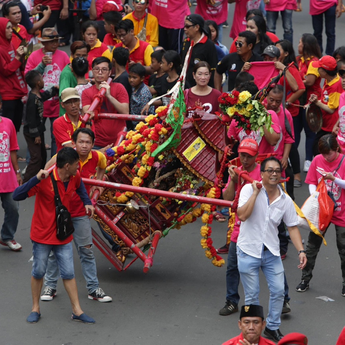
{"points": [[263, 72]]}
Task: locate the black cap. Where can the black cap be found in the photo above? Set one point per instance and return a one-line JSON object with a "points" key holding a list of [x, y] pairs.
{"points": [[271, 51], [197, 19], [252, 310]]}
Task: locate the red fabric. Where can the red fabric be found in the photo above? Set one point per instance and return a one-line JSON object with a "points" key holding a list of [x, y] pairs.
{"points": [[16, 41], [341, 339], [274, 38], [318, 7], [263, 72], [276, 5], [10, 68], [43, 224], [86, 170], [217, 12], [55, 5], [236, 341], [99, 7], [63, 130], [110, 40], [8, 143], [106, 130], [210, 101], [295, 73], [95, 53]]}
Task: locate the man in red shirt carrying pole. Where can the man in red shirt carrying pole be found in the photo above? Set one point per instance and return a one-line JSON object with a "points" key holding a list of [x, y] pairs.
{"points": [[44, 228]]}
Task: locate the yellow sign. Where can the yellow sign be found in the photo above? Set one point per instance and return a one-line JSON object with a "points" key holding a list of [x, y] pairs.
{"points": [[194, 149]]}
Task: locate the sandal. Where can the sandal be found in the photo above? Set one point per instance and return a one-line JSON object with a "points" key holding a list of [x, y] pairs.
{"points": [[219, 217]]}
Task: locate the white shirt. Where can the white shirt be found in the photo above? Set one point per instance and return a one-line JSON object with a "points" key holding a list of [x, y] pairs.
{"points": [[261, 227]]}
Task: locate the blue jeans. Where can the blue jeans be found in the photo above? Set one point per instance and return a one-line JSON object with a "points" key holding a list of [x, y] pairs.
{"points": [[11, 207], [64, 258], [82, 237], [287, 23], [330, 29], [273, 269], [232, 276]]}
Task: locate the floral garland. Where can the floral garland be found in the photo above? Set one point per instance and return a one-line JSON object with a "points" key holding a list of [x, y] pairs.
{"points": [[206, 230], [250, 114]]}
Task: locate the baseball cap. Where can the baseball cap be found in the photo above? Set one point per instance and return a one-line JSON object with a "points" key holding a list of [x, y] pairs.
{"points": [[327, 62], [197, 19], [112, 6], [294, 339], [271, 51], [249, 146], [252, 310], [69, 93]]}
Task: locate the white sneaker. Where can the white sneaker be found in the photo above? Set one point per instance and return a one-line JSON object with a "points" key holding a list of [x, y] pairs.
{"points": [[100, 296], [13, 245], [306, 166]]}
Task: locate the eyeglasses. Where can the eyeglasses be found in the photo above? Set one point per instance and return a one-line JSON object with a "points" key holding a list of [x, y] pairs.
{"points": [[273, 171], [102, 70], [239, 44], [140, 2], [186, 26], [341, 72], [121, 36]]}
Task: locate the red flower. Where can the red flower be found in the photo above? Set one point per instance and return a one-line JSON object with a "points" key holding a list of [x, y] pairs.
{"points": [[235, 93], [209, 242], [213, 251], [120, 150], [146, 132], [150, 161], [153, 147], [158, 127], [118, 194], [154, 136], [142, 129], [153, 122]]}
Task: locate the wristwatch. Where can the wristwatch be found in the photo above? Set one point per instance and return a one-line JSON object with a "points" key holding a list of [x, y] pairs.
{"points": [[302, 251], [18, 171]]}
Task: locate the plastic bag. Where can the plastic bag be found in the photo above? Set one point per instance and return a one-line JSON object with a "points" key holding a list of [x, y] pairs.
{"points": [[318, 209]]}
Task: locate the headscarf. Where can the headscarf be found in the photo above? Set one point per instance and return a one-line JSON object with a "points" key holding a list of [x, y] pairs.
{"points": [[4, 42]]}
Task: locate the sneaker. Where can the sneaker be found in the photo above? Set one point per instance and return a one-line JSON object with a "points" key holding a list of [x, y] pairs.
{"points": [[100, 296], [48, 294], [225, 24], [13, 245], [306, 166], [223, 250], [275, 335], [343, 291], [303, 286], [286, 307], [228, 309]]}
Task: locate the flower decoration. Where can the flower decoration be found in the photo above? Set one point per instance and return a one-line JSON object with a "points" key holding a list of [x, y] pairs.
{"points": [[249, 113], [206, 230]]}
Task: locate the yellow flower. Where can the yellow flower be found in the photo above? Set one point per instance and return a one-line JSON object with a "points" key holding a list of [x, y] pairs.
{"points": [[242, 111], [188, 218], [135, 138], [139, 125], [141, 171], [131, 147], [217, 263], [206, 207], [122, 199], [129, 134], [160, 109], [129, 194], [197, 212], [136, 181], [208, 254], [203, 243], [205, 218], [145, 158], [163, 131], [244, 95], [148, 146], [160, 157], [150, 117], [231, 111], [249, 107], [204, 230]]}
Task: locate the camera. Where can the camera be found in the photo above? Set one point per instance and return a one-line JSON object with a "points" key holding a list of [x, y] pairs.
{"points": [[43, 8]]}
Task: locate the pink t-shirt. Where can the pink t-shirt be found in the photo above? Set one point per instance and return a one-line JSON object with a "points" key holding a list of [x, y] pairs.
{"points": [[255, 175], [51, 77], [313, 177], [264, 147], [341, 112], [239, 22], [170, 13], [291, 5], [276, 5], [217, 12], [318, 7], [8, 143]]}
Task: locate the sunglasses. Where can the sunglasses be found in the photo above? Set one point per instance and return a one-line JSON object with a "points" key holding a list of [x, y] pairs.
{"points": [[239, 44], [140, 2], [341, 72], [186, 26]]}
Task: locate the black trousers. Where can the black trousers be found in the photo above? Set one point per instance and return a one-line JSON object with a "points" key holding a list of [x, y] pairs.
{"points": [[13, 110]]}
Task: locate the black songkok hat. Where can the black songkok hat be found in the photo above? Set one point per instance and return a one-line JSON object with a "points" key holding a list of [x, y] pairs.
{"points": [[252, 310]]}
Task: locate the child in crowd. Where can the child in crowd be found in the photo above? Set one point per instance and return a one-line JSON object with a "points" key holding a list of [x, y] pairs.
{"points": [[141, 94], [80, 67], [111, 19], [34, 127], [155, 80], [120, 59]]}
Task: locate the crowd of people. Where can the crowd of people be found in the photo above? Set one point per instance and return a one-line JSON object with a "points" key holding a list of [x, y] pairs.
{"points": [[136, 52]]}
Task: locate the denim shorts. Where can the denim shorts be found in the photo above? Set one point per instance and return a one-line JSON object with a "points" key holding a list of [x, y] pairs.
{"points": [[82, 235], [64, 258]]}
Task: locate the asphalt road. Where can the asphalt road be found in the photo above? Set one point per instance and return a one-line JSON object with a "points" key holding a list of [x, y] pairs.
{"points": [[178, 301]]}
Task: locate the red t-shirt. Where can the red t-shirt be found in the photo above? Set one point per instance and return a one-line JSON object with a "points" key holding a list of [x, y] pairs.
{"points": [[106, 130], [217, 11], [110, 40], [318, 7], [43, 224], [87, 169], [16, 41], [8, 143], [330, 95], [63, 128], [305, 68], [294, 111], [209, 102], [55, 5]]}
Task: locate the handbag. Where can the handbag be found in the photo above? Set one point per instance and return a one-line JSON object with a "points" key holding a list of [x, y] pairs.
{"points": [[142, 34], [330, 193], [64, 224]]}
